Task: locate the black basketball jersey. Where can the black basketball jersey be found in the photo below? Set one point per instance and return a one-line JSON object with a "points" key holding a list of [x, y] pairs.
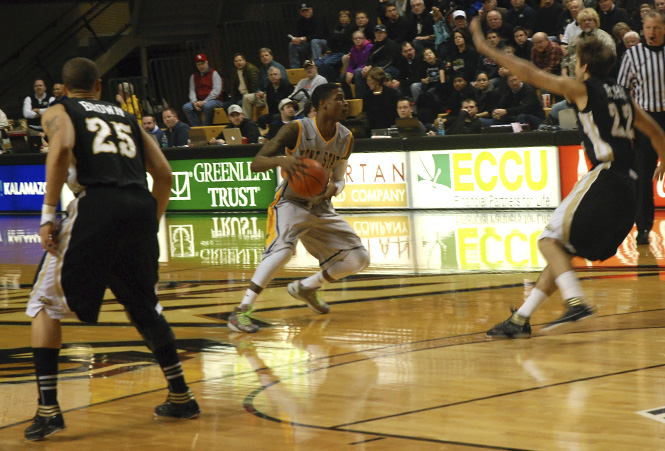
{"points": [[109, 146], [607, 123]]}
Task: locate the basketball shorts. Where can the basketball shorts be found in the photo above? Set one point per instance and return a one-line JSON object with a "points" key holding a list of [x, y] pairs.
{"points": [[321, 230], [597, 215], [109, 239]]}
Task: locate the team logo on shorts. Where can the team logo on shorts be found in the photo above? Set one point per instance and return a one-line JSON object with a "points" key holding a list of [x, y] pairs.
{"points": [[46, 301]]}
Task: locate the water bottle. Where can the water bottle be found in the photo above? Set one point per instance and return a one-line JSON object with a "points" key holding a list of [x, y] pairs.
{"points": [[441, 129], [165, 141]]}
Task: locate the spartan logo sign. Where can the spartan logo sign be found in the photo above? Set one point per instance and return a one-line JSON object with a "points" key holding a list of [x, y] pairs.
{"points": [[436, 170], [181, 189], [181, 239]]}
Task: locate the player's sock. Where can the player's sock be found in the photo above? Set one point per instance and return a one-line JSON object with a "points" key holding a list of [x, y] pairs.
{"points": [[315, 281], [265, 272], [167, 357], [569, 285], [250, 296], [532, 303], [46, 370]]}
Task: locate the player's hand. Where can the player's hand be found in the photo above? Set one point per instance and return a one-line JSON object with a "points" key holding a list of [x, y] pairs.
{"points": [[49, 236], [330, 188], [660, 172], [291, 165]]}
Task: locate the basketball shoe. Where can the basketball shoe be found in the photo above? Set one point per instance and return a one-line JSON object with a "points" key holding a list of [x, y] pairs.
{"points": [[514, 327], [241, 321], [310, 296], [48, 420], [577, 310], [179, 405]]}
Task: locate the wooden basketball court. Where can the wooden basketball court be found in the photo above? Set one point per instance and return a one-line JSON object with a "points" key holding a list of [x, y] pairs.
{"points": [[400, 363]]}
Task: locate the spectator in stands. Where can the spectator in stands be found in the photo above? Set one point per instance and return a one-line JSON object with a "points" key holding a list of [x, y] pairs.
{"points": [[463, 57], [205, 93], [645, 7], [487, 64], [4, 123], [522, 16], [287, 112], [177, 132], [278, 89], [461, 90], [465, 122], [631, 39], [573, 28], [248, 128], [610, 15], [659, 5], [547, 18], [384, 54], [618, 31], [357, 60], [409, 68], [308, 28], [432, 76], [589, 22], [523, 46], [380, 102], [127, 99], [401, 6], [398, 26], [519, 104], [487, 96], [546, 54], [442, 34], [305, 87], [363, 23], [421, 27], [459, 20], [339, 43], [150, 125], [496, 23], [258, 98], [34, 107], [405, 111], [58, 93], [489, 5], [243, 80]]}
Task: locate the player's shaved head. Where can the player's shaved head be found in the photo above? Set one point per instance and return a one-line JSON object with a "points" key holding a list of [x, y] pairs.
{"points": [[80, 74]]}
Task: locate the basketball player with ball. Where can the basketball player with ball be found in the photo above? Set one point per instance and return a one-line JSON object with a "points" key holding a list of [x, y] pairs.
{"points": [[305, 150]]}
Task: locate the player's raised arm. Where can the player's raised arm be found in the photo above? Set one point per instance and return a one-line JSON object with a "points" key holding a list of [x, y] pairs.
{"points": [[272, 155], [574, 90], [160, 170]]}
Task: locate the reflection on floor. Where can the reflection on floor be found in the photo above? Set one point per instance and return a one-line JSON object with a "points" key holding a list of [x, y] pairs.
{"points": [[401, 362]]}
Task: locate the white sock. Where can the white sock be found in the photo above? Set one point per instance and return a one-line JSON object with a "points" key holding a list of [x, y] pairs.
{"points": [[265, 271], [249, 298], [569, 285], [315, 281], [532, 303]]}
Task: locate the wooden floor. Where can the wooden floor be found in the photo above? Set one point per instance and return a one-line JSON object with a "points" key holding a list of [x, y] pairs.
{"points": [[400, 363]]}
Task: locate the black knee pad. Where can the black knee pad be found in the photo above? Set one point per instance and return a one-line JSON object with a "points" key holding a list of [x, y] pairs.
{"points": [[155, 331]]}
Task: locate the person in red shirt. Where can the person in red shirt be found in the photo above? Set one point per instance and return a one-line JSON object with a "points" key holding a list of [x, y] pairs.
{"points": [[205, 93]]}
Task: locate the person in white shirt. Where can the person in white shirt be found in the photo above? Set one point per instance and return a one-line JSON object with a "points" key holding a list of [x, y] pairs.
{"points": [[34, 107]]}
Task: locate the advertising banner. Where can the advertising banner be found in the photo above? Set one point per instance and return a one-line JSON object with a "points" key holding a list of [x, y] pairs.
{"points": [[220, 185], [22, 187], [374, 180], [521, 177]]}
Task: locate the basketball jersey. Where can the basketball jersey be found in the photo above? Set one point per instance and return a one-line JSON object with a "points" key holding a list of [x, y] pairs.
{"points": [[607, 123], [311, 144], [109, 146]]}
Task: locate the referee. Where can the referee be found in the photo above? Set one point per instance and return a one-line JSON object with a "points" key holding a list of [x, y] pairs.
{"points": [[643, 71]]}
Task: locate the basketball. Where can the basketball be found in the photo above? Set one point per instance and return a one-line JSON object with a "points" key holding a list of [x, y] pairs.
{"points": [[310, 184]]}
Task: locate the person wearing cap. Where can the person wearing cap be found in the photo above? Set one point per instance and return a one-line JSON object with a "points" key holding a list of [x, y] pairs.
{"points": [[384, 54], [248, 128], [306, 86], [205, 93], [287, 112], [421, 26], [243, 81], [308, 28], [459, 19]]}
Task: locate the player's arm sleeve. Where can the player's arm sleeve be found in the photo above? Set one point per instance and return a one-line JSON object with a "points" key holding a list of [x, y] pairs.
{"points": [[339, 175]]}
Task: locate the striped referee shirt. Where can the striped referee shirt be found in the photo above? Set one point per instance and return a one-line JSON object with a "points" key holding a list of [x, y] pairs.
{"points": [[643, 72]]}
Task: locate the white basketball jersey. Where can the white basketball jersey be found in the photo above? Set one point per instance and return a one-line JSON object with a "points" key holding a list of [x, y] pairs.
{"points": [[311, 144]]}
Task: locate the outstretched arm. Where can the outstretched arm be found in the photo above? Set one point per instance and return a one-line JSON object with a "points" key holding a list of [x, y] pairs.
{"points": [[527, 72]]}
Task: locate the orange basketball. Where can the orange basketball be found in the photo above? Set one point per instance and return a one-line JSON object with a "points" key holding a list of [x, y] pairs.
{"points": [[312, 183]]}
